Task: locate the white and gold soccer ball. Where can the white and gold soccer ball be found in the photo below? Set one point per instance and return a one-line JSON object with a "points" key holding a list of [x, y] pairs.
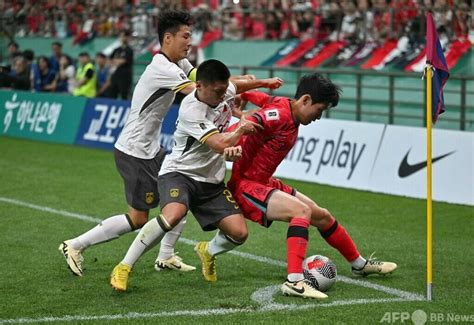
{"points": [[320, 271]]}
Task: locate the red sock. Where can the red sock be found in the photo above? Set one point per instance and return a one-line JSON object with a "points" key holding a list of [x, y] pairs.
{"points": [[337, 237], [296, 243]]}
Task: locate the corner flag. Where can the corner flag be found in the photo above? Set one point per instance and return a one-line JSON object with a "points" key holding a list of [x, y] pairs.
{"points": [[435, 58], [436, 76]]}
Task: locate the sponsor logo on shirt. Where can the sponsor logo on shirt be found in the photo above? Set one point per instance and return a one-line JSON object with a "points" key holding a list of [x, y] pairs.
{"points": [[202, 126], [182, 76], [272, 115]]}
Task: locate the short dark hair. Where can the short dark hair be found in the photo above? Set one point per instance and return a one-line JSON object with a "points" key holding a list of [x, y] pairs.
{"points": [[170, 21], [13, 43], [321, 89], [29, 54], [100, 54], [211, 71], [43, 58], [83, 54], [57, 44]]}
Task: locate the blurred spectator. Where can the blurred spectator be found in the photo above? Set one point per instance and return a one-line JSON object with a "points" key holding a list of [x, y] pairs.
{"points": [[29, 56], [18, 78], [57, 49], [462, 19], [85, 77], [21, 76], [66, 75], [349, 22], [232, 25], [13, 54], [103, 75], [44, 78], [122, 63]]}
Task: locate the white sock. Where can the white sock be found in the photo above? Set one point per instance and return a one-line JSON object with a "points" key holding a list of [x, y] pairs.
{"points": [[150, 235], [295, 277], [108, 229], [221, 244], [358, 263], [169, 241]]}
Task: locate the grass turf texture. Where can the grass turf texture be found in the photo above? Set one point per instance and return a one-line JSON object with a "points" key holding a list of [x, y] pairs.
{"points": [[35, 282]]}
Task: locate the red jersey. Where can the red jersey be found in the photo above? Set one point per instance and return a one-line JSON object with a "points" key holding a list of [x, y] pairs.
{"points": [[264, 151]]}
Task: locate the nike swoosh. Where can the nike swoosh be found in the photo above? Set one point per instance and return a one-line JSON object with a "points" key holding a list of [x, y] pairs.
{"points": [[300, 291], [176, 265], [407, 169]]}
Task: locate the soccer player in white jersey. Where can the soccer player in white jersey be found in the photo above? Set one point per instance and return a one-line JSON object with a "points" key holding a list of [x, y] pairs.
{"points": [[192, 176], [138, 154]]}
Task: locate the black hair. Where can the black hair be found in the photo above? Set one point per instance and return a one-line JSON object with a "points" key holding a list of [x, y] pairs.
{"points": [[170, 21], [68, 58], [12, 43], [211, 71], [29, 55], [83, 54], [100, 54], [126, 32], [44, 58], [57, 44], [321, 89]]}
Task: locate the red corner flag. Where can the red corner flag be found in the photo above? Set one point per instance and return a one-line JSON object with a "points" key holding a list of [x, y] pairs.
{"points": [[435, 57]]}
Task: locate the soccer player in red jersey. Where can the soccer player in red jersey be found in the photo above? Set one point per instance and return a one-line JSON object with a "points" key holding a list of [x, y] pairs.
{"points": [[264, 199]]}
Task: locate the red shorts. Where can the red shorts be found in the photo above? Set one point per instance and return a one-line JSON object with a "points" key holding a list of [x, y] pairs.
{"points": [[252, 197]]}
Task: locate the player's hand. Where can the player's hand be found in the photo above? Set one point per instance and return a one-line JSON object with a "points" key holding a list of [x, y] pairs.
{"points": [[273, 83], [239, 106], [248, 127], [233, 153]]}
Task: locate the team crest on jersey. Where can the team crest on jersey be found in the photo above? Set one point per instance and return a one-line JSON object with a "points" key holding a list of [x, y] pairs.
{"points": [[272, 115], [149, 197], [174, 192]]}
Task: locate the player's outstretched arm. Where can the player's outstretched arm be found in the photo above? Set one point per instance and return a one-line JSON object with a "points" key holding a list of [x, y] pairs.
{"points": [[243, 85]]}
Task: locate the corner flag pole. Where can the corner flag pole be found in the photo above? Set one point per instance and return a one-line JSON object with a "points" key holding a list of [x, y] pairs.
{"points": [[429, 212]]}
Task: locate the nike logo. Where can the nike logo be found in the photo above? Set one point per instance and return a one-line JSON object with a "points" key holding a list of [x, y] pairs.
{"points": [[178, 266], [407, 169], [300, 291]]}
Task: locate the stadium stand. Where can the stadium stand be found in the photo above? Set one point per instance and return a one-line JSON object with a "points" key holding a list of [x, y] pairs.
{"points": [[346, 40]]}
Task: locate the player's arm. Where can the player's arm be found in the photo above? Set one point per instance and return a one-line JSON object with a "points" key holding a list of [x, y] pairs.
{"points": [[220, 141], [242, 85]]}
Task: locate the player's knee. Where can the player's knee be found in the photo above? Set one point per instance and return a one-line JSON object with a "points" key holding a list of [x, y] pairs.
{"points": [[138, 220], [305, 212], [239, 235], [322, 218], [137, 217]]}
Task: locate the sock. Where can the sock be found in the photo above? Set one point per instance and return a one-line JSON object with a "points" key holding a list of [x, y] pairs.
{"points": [[358, 263], [295, 277], [169, 241], [296, 242], [150, 235], [107, 230], [336, 236], [221, 243]]}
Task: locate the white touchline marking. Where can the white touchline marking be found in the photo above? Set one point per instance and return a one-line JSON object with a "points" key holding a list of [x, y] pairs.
{"points": [[132, 315], [263, 296]]}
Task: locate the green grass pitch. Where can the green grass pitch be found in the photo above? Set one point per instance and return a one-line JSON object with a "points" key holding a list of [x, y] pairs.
{"points": [[41, 184]]}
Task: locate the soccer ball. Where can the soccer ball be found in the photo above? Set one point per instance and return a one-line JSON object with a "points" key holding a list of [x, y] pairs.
{"points": [[320, 271]]}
